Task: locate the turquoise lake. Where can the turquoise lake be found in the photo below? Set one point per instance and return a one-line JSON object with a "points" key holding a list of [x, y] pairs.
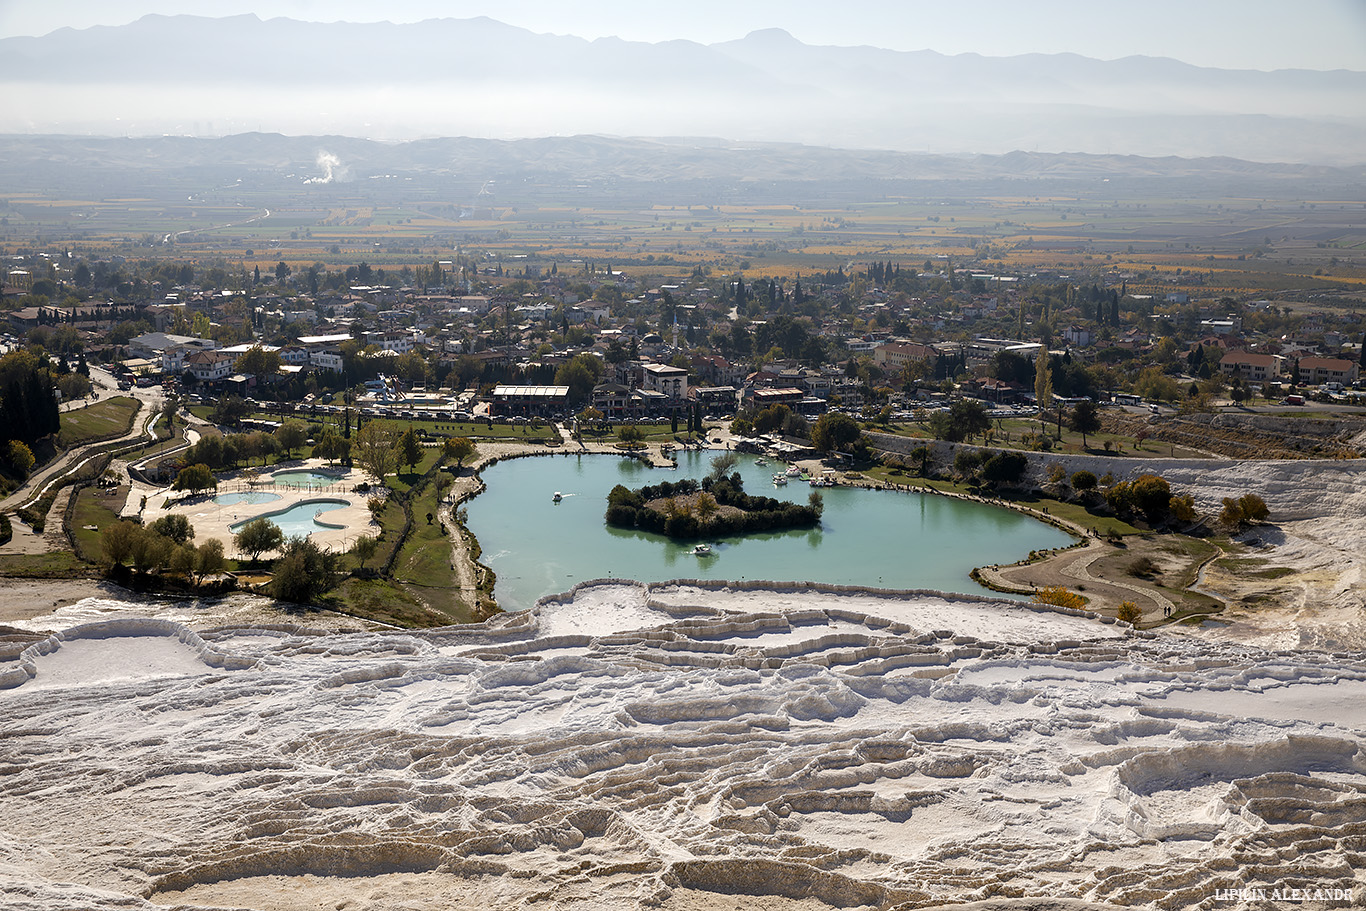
{"points": [[876, 538]]}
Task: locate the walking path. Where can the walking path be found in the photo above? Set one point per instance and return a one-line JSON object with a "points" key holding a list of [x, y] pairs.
{"points": [[27, 541]]}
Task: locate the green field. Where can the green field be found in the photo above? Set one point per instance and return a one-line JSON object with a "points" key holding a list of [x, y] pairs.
{"points": [[99, 421]]}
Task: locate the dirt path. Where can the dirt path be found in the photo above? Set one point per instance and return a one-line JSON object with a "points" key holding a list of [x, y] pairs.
{"points": [[462, 561], [1070, 567]]}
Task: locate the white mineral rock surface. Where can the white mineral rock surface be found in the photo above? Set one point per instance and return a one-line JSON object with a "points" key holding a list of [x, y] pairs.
{"points": [[678, 747]]}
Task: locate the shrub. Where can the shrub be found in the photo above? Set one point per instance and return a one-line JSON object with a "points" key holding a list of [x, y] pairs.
{"points": [[1245, 510], [20, 457], [966, 462], [1129, 612], [1152, 495], [1183, 508], [303, 572], [1005, 467], [1083, 480], [1143, 567], [1058, 596]]}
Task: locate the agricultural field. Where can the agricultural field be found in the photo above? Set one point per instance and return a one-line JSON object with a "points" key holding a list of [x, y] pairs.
{"points": [[1229, 231]]}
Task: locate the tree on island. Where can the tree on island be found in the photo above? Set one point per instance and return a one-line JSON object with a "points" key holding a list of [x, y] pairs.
{"points": [[685, 509], [723, 465]]}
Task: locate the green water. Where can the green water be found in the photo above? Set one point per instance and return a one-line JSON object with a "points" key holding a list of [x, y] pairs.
{"points": [[875, 538]]}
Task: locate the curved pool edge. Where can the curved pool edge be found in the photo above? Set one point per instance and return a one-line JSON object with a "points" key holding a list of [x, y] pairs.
{"points": [[308, 501]]}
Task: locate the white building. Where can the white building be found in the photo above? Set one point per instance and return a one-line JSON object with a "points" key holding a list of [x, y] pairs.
{"points": [[667, 380]]}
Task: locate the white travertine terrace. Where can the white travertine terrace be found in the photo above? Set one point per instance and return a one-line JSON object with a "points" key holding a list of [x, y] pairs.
{"points": [[677, 746]]}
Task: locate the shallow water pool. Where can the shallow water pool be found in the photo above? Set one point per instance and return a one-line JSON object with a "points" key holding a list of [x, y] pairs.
{"points": [[246, 497], [301, 519], [305, 478]]}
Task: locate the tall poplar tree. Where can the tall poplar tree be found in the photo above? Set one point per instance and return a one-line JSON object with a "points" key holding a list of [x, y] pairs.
{"points": [[1043, 384]]}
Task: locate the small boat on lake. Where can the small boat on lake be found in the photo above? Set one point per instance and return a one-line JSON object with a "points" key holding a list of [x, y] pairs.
{"points": [[701, 550], [780, 480], [761, 462], [793, 471], [557, 498]]}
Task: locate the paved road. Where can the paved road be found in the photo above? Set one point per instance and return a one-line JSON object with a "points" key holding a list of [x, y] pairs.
{"points": [[150, 397]]}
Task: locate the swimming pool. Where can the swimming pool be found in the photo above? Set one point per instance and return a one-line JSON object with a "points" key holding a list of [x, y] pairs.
{"points": [[311, 477], [299, 520], [246, 497]]}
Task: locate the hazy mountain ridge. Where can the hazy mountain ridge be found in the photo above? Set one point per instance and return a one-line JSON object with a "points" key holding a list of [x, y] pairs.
{"points": [[195, 75]]}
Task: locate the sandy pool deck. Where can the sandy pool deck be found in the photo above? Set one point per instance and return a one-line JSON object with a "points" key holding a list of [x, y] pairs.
{"points": [[335, 529]]}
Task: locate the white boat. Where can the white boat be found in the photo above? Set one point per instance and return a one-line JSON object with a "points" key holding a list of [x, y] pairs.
{"points": [[761, 462], [702, 550], [557, 498], [793, 471], [780, 480]]}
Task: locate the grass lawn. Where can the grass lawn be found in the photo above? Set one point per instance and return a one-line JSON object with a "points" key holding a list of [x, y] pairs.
{"points": [[423, 566], [104, 419], [658, 434], [390, 523], [1252, 568], [384, 601], [1071, 512], [1006, 433], [61, 564], [405, 479], [475, 430], [98, 507]]}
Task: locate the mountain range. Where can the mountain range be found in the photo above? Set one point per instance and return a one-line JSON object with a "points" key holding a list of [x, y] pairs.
{"points": [[190, 75]]}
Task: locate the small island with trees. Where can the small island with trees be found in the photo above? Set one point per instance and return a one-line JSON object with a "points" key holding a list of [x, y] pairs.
{"points": [[716, 507]]}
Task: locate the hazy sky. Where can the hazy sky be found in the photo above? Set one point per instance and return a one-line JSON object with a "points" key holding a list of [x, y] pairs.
{"points": [[1244, 34]]}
